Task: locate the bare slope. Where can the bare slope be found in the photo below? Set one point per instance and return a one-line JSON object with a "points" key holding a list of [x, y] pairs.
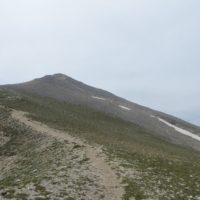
{"points": [[64, 88], [37, 165], [107, 178], [49, 164]]}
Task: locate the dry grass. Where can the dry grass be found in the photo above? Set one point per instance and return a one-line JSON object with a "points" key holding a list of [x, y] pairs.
{"points": [[164, 170]]}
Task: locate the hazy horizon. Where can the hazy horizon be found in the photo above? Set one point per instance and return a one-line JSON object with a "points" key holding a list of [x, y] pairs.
{"points": [[144, 51]]}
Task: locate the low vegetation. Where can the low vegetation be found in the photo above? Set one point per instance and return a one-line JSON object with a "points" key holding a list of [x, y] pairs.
{"points": [[151, 168]]}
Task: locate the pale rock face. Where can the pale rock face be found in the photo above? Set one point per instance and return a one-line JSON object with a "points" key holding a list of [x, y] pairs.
{"points": [[60, 77]]}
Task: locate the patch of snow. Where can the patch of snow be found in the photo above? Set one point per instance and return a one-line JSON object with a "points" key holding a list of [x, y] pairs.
{"points": [[180, 130], [124, 107], [99, 98]]}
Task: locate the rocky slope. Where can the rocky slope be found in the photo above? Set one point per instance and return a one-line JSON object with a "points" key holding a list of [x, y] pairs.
{"points": [[64, 88], [53, 149]]}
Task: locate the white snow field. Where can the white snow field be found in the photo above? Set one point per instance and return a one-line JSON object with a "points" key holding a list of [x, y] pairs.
{"points": [[124, 107], [180, 130], [99, 98]]}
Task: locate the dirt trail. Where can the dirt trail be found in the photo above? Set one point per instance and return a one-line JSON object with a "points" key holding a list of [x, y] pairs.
{"points": [[112, 187]]}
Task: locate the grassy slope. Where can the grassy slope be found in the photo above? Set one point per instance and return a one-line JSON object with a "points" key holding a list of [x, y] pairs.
{"points": [[166, 168], [30, 163]]}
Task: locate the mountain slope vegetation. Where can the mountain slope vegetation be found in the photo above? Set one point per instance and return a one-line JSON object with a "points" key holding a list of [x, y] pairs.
{"points": [[65, 89], [148, 166]]}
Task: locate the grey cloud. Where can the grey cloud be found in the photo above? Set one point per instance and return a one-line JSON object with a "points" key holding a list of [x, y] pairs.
{"points": [[146, 51]]}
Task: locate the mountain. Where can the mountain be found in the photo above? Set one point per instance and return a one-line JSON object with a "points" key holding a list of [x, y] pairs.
{"points": [[62, 139], [64, 88]]}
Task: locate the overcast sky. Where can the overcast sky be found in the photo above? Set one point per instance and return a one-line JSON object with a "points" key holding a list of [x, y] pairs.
{"points": [[147, 51]]}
